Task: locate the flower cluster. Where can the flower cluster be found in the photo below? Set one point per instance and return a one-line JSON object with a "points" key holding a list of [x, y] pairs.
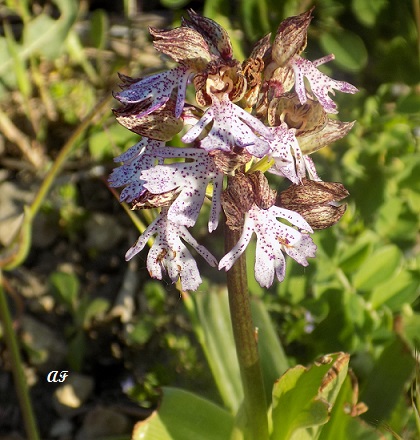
{"points": [[249, 117]]}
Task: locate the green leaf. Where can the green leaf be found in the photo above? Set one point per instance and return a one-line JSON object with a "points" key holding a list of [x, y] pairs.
{"points": [[186, 416], [95, 310], [302, 397], [378, 268], [367, 11], [342, 425], [273, 359], [412, 329], [349, 49], [174, 4], [102, 143], [77, 351], [403, 289], [209, 314], [19, 66], [255, 15], [386, 381], [99, 28], [66, 288], [354, 255], [44, 34], [142, 331]]}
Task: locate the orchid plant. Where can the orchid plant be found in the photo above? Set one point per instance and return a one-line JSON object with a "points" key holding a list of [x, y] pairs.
{"points": [[250, 118]]}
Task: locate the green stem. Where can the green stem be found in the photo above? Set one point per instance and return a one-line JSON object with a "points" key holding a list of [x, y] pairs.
{"points": [[16, 362], [255, 404]]}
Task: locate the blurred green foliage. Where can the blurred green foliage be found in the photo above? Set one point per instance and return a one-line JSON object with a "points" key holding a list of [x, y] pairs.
{"points": [[359, 295]]}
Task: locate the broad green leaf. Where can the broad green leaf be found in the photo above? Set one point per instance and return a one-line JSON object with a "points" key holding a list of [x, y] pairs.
{"points": [[43, 34], [367, 12], [39, 26], [102, 143], [209, 314], [354, 255], [273, 359], [8, 78], [186, 416], [348, 48], [386, 381], [214, 332], [405, 288], [408, 104], [344, 423], [302, 397], [378, 268], [412, 329]]}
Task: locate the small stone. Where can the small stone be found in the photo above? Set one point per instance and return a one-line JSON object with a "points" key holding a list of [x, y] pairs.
{"points": [[101, 422], [103, 232], [48, 350], [61, 429], [73, 393]]}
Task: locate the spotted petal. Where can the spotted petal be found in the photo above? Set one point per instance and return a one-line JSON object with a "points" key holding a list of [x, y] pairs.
{"points": [[286, 153], [139, 157], [232, 127], [273, 238], [191, 178], [169, 253], [157, 89], [321, 84]]}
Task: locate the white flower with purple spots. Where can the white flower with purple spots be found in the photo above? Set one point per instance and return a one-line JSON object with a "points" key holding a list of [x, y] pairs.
{"points": [[157, 89], [273, 238], [191, 178], [232, 126], [141, 156], [321, 84], [169, 253], [289, 161]]}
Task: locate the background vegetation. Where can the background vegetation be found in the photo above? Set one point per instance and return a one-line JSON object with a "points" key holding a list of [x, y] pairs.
{"points": [[78, 306]]}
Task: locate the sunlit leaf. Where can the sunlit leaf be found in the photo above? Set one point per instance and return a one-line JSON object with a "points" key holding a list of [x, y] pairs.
{"points": [[99, 28], [65, 287], [344, 423], [386, 381], [378, 268], [302, 398], [367, 12], [405, 288], [209, 313], [186, 416], [349, 49]]}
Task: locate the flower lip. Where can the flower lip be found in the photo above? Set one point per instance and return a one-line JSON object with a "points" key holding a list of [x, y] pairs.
{"points": [[320, 83]]}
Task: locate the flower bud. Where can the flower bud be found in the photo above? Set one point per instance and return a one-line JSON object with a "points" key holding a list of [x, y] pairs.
{"points": [[242, 192], [315, 201], [183, 45], [306, 118], [160, 125], [290, 39], [315, 140]]}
